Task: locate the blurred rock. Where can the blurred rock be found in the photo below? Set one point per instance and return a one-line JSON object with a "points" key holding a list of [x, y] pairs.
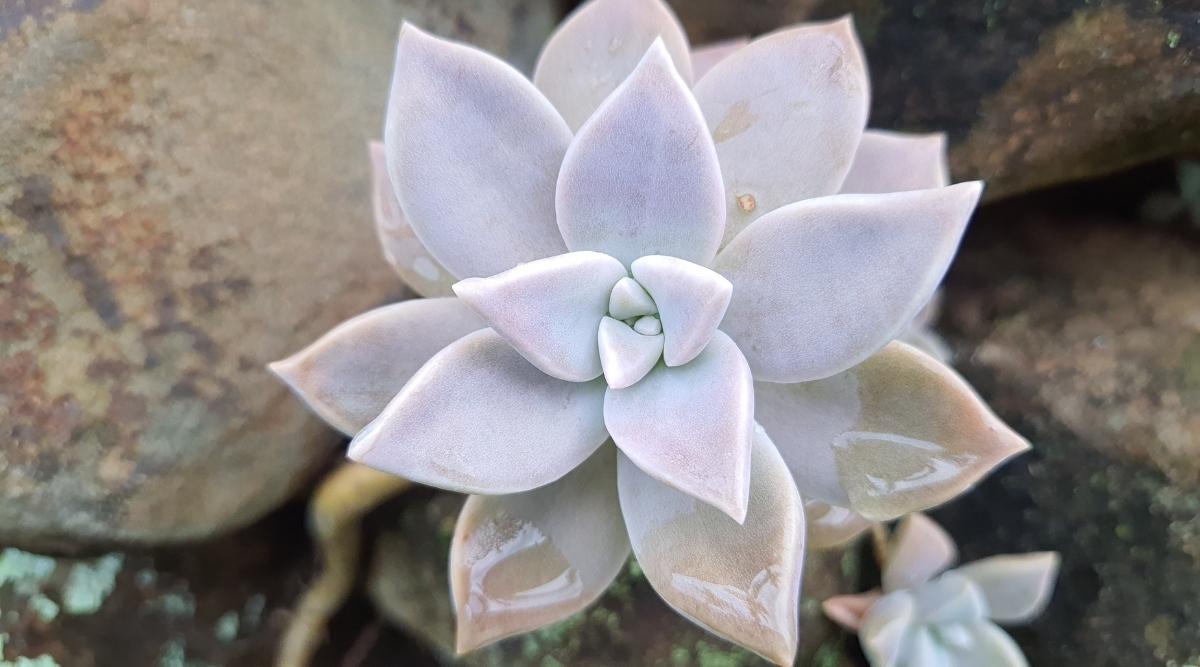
{"points": [[1084, 332], [168, 607], [183, 198], [629, 625], [1032, 92]]}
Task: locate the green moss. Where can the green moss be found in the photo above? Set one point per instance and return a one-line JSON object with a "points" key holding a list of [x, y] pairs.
{"points": [[1189, 366], [89, 584], [226, 628], [708, 655], [635, 570], [25, 571], [174, 654], [44, 607], [828, 654], [175, 605], [22, 661]]}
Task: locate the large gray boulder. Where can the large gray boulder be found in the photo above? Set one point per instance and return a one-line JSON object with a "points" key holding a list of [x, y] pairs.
{"points": [[183, 198]]}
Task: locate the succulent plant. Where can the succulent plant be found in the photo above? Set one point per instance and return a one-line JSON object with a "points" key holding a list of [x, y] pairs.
{"points": [[928, 616], [672, 320]]}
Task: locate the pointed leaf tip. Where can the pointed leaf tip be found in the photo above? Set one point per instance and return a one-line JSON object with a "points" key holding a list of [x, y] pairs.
{"points": [[348, 375], [522, 561], [641, 176], [473, 151], [691, 426], [598, 45], [740, 581]]}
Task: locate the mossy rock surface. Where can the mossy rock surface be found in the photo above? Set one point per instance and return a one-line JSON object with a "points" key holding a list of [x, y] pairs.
{"points": [[1031, 92], [1083, 331]]}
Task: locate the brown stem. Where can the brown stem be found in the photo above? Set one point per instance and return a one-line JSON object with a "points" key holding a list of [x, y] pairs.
{"points": [[335, 521], [879, 540]]}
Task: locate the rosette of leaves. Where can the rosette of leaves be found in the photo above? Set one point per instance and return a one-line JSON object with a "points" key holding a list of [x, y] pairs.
{"points": [[662, 301]]}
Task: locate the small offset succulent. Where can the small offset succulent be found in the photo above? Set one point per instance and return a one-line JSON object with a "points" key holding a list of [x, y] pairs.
{"points": [[926, 616], [659, 315]]}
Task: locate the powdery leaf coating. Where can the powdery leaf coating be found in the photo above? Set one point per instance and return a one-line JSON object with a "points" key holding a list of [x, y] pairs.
{"points": [[629, 299], [691, 303], [401, 247], [596, 48], [831, 526], [920, 550], [924, 650], [786, 113], [741, 582], [473, 152], [641, 176], [897, 162], [691, 426], [950, 598], [804, 421], [1017, 588], [987, 646], [348, 376], [549, 309], [706, 56], [626, 355], [523, 561], [905, 433], [512, 428], [885, 628], [838, 277]]}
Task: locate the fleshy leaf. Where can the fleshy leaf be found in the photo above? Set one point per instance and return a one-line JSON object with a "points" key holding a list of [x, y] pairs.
{"points": [[848, 610], [549, 309], [905, 431], [1018, 587], [691, 426], [987, 646], [805, 420], [348, 376], [629, 299], [830, 525], [925, 651], [691, 302], [836, 278], [598, 45], [473, 151], [740, 581], [479, 418], [886, 628], [927, 341], [950, 598], [920, 550], [641, 176], [786, 113], [401, 247], [897, 162], [706, 56], [625, 354], [523, 561]]}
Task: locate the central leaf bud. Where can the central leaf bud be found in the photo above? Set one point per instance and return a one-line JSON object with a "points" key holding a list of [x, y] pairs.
{"points": [[631, 337]]}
